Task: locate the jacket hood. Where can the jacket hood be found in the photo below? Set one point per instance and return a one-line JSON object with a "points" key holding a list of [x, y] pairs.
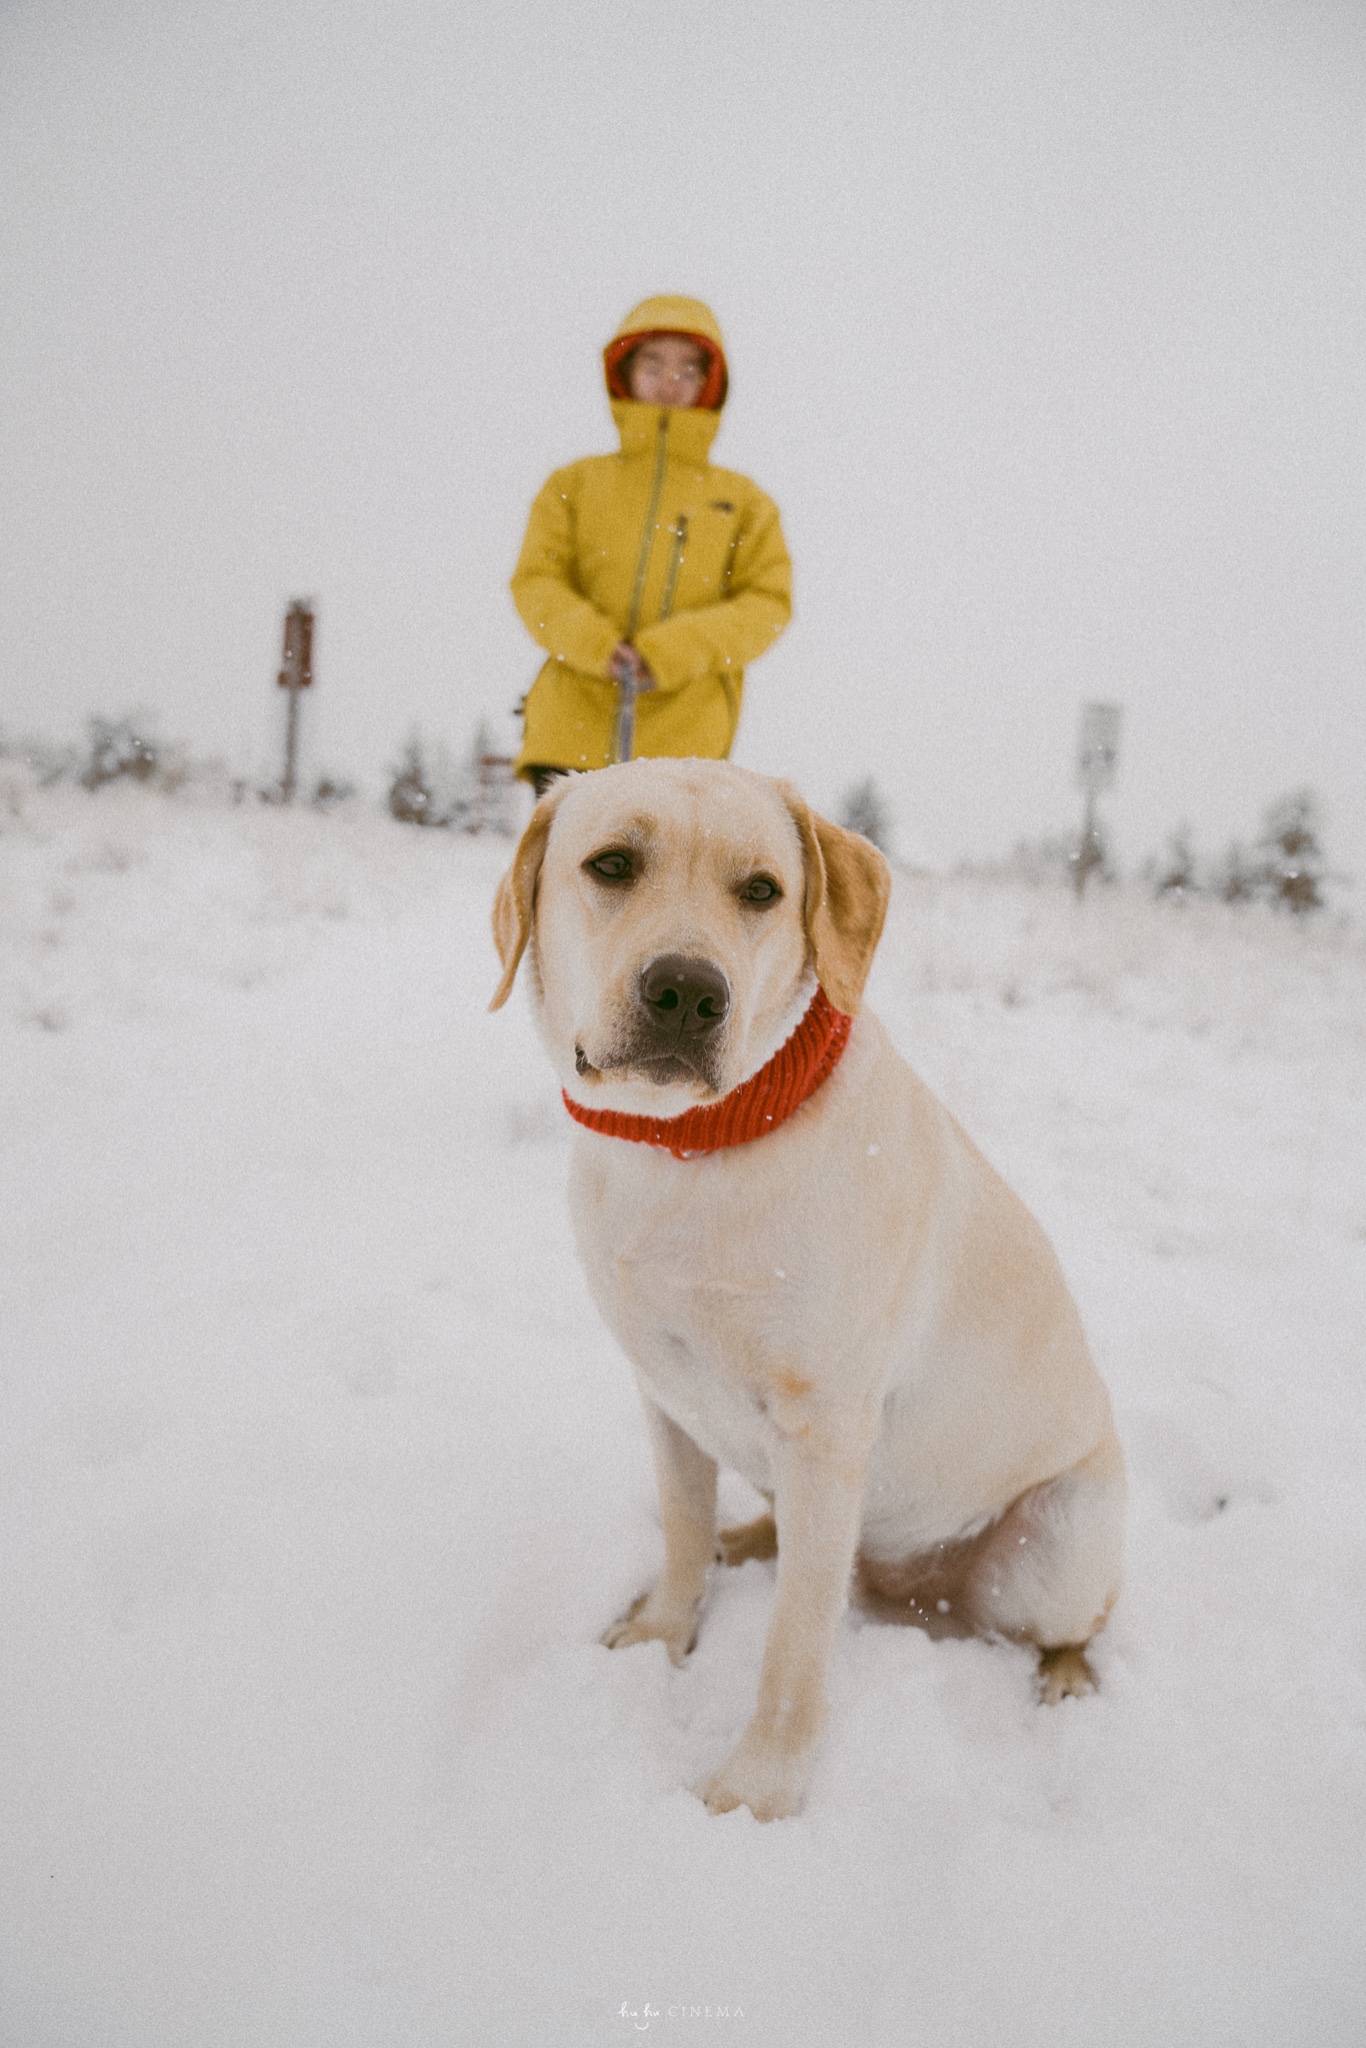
{"points": [[670, 314]]}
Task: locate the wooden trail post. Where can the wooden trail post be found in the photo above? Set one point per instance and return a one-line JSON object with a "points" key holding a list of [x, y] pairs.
{"points": [[1097, 758], [295, 675], [496, 777]]}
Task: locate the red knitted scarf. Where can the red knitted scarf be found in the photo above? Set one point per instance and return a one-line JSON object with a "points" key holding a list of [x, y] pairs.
{"points": [[750, 1111]]}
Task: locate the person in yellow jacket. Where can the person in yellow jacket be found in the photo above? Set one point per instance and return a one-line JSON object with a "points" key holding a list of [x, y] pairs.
{"points": [[649, 570]]}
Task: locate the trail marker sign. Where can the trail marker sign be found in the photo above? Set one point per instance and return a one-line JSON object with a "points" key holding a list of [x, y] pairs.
{"points": [[295, 675]]}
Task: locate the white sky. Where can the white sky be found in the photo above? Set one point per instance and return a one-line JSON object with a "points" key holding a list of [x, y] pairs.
{"points": [[1047, 328]]}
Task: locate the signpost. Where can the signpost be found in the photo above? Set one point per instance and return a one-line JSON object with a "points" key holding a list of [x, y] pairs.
{"points": [[492, 800], [295, 675], [1097, 759]]}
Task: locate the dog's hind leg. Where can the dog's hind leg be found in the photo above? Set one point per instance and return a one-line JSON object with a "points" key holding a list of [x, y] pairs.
{"points": [[1048, 1571], [758, 1539], [687, 1508], [1065, 1674]]}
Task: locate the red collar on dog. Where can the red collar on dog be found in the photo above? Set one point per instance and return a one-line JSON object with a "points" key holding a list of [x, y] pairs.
{"points": [[750, 1111]]}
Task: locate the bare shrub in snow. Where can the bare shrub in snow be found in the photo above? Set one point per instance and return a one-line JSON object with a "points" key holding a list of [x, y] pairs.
{"points": [[1237, 878], [1054, 862], [1042, 863], [119, 747], [1176, 874], [330, 791], [1285, 868]]}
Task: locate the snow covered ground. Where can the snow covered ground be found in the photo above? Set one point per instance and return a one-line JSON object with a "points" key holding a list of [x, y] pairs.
{"points": [[321, 1481]]}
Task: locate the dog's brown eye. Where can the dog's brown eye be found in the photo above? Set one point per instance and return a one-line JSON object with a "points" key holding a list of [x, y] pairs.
{"points": [[761, 889], [611, 867]]}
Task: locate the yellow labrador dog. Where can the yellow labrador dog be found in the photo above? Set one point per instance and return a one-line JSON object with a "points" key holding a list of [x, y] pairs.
{"points": [[820, 1281]]}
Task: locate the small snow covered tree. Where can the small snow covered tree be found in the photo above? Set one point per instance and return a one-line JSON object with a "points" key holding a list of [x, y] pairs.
{"points": [[862, 810], [1293, 871], [411, 796]]}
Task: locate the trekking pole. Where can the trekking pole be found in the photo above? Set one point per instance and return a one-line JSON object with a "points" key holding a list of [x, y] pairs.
{"points": [[628, 675], [624, 739]]}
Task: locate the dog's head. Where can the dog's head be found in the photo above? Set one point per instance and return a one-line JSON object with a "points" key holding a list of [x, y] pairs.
{"points": [[676, 916]]}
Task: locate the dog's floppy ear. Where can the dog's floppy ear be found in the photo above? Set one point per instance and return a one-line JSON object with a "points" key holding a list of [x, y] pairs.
{"points": [[848, 884], [514, 905]]}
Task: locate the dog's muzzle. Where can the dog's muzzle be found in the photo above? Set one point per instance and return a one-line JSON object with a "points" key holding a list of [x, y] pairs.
{"points": [[683, 998], [674, 1032], [681, 1005]]}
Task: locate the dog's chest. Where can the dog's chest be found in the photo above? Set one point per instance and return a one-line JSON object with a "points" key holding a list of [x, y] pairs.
{"points": [[713, 1308], [693, 1377]]}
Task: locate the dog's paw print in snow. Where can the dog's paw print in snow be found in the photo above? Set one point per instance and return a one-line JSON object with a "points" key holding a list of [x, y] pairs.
{"points": [[1201, 1470]]}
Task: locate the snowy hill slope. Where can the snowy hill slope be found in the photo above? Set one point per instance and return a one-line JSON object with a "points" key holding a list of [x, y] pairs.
{"points": [[321, 1481]]}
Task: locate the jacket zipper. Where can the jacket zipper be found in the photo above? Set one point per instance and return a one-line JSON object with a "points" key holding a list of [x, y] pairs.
{"points": [[647, 538], [675, 564]]}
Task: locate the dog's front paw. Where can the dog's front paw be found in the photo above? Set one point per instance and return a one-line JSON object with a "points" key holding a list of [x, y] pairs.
{"points": [[770, 1781], [652, 1621]]}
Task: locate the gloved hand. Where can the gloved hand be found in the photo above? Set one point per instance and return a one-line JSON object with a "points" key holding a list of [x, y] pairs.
{"points": [[627, 667]]}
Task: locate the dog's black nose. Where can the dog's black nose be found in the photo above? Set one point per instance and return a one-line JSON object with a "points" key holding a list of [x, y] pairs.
{"points": [[686, 998]]}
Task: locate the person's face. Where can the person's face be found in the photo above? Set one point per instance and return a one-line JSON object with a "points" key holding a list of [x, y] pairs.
{"points": [[667, 370]]}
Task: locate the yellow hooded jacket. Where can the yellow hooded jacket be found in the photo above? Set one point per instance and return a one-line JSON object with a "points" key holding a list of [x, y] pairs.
{"points": [[655, 546]]}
